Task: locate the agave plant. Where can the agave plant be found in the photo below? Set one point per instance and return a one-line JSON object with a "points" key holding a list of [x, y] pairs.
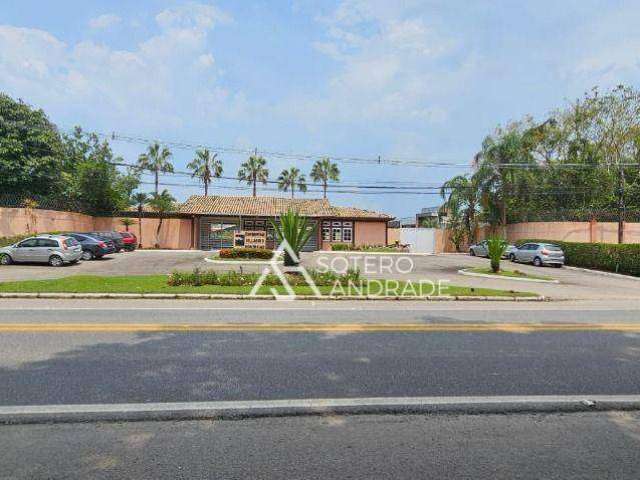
{"points": [[496, 247], [295, 230]]}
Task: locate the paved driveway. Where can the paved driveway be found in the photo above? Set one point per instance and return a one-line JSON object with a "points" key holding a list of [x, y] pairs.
{"points": [[574, 284]]}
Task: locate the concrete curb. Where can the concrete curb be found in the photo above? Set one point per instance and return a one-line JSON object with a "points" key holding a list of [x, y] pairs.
{"points": [[222, 296], [360, 252], [498, 277], [233, 410], [603, 274]]}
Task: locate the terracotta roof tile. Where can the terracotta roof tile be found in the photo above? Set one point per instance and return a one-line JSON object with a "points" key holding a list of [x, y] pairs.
{"points": [[271, 207]]}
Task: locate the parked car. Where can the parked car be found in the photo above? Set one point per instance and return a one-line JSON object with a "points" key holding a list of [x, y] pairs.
{"points": [[480, 249], [539, 254], [130, 241], [56, 250], [115, 237], [92, 247]]}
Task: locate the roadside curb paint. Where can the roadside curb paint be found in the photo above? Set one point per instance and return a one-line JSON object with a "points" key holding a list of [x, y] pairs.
{"points": [[222, 296], [235, 410]]}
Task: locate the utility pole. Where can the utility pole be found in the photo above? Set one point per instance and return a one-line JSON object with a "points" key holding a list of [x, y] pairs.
{"points": [[621, 206]]}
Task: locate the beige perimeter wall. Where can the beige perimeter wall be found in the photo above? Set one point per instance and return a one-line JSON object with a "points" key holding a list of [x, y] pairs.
{"points": [[370, 233], [175, 232]]}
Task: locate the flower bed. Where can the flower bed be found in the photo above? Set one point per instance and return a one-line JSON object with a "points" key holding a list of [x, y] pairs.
{"points": [[199, 277], [246, 253]]}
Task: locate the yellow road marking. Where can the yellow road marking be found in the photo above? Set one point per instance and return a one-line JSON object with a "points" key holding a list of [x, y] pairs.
{"points": [[312, 328]]}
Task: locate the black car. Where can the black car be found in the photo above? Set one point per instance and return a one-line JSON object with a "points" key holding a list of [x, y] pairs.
{"points": [[93, 247], [115, 237]]}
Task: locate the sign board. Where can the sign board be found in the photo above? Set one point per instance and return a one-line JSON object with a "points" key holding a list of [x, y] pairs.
{"points": [[250, 239]]}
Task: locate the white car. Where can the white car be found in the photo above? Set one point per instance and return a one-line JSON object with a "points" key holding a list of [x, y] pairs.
{"points": [[480, 249], [56, 250]]}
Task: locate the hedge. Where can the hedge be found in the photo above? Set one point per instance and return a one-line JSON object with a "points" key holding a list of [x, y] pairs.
{"points": [[610, 257], [262, 253], [199, 277]]}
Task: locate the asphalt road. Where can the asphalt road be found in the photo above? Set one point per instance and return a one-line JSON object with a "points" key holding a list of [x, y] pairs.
{"points": [[132, 366], [563, 447]]}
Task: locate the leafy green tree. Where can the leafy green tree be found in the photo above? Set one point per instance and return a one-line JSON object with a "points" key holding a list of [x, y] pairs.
{"points": [[205, 167], [290, 179], [253, 171], [90, 176], [295, 229], [158, 160], [162, 203], [139, 200], [127, 222], [324, 171], [31, 150]]}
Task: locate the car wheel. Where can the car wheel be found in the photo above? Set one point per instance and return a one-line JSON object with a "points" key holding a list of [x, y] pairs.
{"points": [[537, 262], [87, 255], [472, 252], [56, 261], [512, 257], [5, 259]]}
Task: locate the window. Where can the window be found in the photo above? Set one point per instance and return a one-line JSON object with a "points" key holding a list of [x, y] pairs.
{"points": [[27, 243], [326, 231], [347, 234], [336, 234], [46, 242]]}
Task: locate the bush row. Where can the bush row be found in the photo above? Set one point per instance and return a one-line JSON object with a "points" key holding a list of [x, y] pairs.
{"points": [[363, 248], [610, 257], [199, 277], [261, 253]]}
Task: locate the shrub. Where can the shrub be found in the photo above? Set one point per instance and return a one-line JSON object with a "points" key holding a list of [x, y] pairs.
{"points": [[198, 278], [610, 257], [335, 247], [261, 253], [496, 247], [295, 229]]}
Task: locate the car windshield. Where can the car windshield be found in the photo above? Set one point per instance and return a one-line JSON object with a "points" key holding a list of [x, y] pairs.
{"points": [[553, 248], [70, 242]]}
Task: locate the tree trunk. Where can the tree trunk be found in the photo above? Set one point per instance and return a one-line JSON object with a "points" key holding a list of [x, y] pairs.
{"points": [[206, 189], [324, 189], [157, 179], [158, 233], [254, 187], [140, 228], [292, 188]]}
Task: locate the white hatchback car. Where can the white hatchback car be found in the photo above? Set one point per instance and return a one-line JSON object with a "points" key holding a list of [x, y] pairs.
{"points": [[56, 250]]}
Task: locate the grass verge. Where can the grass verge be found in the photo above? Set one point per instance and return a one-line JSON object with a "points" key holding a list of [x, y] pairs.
{"points": [[158, 284], [510, 274]]}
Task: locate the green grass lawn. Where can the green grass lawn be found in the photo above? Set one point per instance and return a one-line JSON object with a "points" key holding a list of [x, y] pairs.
{"points": [[510, 273], [158, 284]]}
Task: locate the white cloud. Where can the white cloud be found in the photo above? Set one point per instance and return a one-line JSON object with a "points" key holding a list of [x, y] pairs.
{"points": [[154, 86], [105, 21]]}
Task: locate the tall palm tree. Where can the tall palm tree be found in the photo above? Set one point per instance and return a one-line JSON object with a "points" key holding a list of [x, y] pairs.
{"points": [[162, 203], [127, 222], [140, 199], [290, 179], [462, 201], [157, 159], [253, 171], [323, 171], [206, 167]]}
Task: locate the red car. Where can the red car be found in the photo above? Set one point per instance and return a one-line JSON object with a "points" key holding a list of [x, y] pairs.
{"points": [[130, 241]]}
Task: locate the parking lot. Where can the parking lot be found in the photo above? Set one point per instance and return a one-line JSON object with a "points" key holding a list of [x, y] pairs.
{"points": [[574, 284]]}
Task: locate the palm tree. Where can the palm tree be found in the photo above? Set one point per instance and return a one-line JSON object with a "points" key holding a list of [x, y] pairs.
{"points": [[127, 222], [323, 171], [140, 199], [253, 171], [206, 167], [156, 159], [462, 201], [162, 203], [290, 179]]}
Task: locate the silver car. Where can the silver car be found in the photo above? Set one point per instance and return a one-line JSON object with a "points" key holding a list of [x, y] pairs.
{"points": [[539, 254], [480, 249], [56, 250]]}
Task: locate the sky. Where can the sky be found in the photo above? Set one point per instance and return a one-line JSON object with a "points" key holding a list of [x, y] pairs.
{"points": [[406, 80]]}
